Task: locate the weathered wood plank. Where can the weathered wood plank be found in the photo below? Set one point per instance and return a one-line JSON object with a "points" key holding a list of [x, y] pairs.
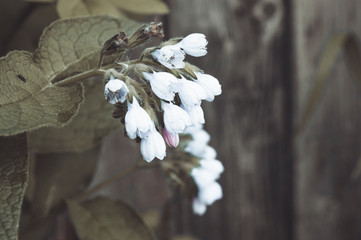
{"points": [[249, 121], [328, 201]]}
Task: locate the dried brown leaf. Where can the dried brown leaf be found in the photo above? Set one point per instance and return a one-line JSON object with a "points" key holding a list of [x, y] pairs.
{"points": [[93, 122], [28, 97], [142, 7], [106, 219], [75, 8], [13, 179]]}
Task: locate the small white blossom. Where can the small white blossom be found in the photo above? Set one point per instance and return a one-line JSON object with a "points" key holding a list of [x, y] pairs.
{"points": [[209, 84], [195, 113], [161, 83], [153, 146], [199, 208], [170, 56], [194, 44], [212, 165], [203, 177], [190, 93], [137, 120], [175, 118], [115, 91], [210, 194]]}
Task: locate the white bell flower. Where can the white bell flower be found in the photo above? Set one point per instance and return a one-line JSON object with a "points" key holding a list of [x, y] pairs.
{"points": [[195, 113], [153, 146], [170, 56], [212, 165], [199, 208], [137, 120], [175, 118], [203, 177], [194, 44], [190, 93], [115, 91], [209, 84], [210, 194], [161, 83]]}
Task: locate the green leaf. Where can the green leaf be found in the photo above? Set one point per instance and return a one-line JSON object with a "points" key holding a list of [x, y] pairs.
{"points": [[29, 99], [13, 179], [142, 7], [106, 219], [93, 122]]}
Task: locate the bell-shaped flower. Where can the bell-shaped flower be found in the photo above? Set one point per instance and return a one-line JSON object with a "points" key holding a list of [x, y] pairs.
{"points": [[213, 166], [209, 84], [199, 208], [210, 194], [161, 84], [172, 140], [170, 56], [195, 113], [203, 177], [190, 93], [153, 146], [175, 118], [115, 91], [194, 44], [137, 120]]}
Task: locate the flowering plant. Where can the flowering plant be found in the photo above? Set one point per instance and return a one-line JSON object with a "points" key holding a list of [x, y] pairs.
{"points": [[156, 98]]}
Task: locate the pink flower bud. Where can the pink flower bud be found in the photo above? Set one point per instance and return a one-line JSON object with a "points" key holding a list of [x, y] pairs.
{"points": [[170, 140]]}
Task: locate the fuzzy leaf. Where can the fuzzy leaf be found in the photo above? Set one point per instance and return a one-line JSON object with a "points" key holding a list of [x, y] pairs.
{"points": [[93, 122], [106, 219], [143, 7], [29, 99], [13, 179]]}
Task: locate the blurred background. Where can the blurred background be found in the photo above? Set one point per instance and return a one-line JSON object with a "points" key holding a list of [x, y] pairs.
{"points": [[265, 53]]}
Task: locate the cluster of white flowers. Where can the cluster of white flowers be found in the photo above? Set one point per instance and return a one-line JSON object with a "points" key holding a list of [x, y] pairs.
{"points": [[209, 170], [165, 86]]}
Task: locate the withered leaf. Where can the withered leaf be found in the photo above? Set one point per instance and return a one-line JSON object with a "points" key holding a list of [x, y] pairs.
{"points": [[28, 97], [60, 175], [106, 219], [93, 122], [13, 178], [75, 8], [143, 7]]}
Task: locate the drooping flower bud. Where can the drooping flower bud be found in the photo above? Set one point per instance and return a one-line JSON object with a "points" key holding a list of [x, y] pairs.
{"points": [[190, 93], [137, 121], [161, 84], [199, 208], [172, 140], [210, 194], [153, 146], [209, 84], [170, 56], [194, 44], [115, 91], [195, 113], [176, 120]]}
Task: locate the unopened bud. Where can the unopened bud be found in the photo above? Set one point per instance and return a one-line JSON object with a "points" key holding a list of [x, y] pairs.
{"points": [[172, 140]]}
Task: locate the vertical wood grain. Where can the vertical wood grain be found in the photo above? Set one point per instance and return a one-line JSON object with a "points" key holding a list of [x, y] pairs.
{"points": [[249, 121], [328, 200]]}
